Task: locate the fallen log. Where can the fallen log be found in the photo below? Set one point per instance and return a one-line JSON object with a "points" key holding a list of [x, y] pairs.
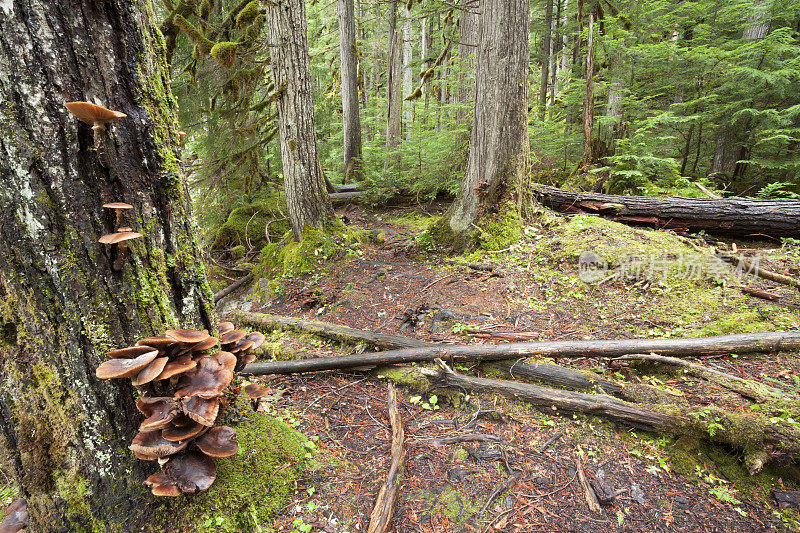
{"points": [[757, 435], [735, 216], [219, 295], [694, 347], [748, 267], [384, 504], [265, 322], [348, 187], [345, 197]]}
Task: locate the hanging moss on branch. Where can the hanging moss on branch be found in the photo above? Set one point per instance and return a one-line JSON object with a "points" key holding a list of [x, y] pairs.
{"points": [[204, 45], [248, 14], [224, 53]]}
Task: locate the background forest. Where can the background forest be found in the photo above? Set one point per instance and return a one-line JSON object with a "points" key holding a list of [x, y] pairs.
{"points": [[704, 91]]}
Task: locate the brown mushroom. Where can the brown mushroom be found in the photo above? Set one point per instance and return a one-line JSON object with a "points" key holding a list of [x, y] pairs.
{"points": [[218, 442], [257, 338], [161, 343], [255, 391], [16, 517], [151, 443], [95, 115], [121, 239], [232, 336], [224, 327], [242, 346], [207, 380], [227, 360], [118, 207], [181, 137], [191, 471], [130, 352], [160, 411], [204, 345], [177, 366], [201, 410], [161, 485], [183, 432], [248, 358], [188, 336], [144, 457], [124, 368], [123, 229], [150, 372]]}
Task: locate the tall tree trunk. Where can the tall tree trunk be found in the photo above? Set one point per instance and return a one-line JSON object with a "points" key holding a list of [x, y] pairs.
{"points": [[588, 103], [408, 73], [307, 199], [612, 128], [497, 169], [425, 46], [65, 433], [394, 96], [468, 23], [351, 121], [563, 61], [546, 54]]}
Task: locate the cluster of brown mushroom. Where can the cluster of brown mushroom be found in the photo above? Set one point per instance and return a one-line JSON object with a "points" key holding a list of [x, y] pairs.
{"points": [[121, 235], [182, 384]]}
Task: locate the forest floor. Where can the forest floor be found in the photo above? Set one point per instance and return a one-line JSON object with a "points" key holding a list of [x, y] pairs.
{"points": [[534, 293]]}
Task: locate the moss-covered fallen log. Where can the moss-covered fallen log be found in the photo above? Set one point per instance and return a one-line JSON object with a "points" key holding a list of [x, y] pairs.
{"points": [[755, 434], [690, 347], [265, 322]]}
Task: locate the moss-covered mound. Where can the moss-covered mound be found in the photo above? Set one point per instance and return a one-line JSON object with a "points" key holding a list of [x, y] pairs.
{"points": [[246, 226]]}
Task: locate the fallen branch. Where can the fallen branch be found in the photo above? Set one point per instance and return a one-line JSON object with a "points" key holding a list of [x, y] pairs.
{"points": [[334, 332], [232, 287], [345, 197], [758, 293], [588, 491], [384, 505], [755, 434], [693, 347], [473, 266], [749, 267]]}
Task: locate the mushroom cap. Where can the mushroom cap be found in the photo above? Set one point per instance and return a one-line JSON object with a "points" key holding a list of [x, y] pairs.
{"points": [[178, 433], [207, 380], [226, 359], [177, 366], [130, 352], [144, 457], [248, 358], [117, 205], [242, 346], [224, 327], [151, 443], [150, 372], [161, 485], [201, 410], [92, 113], [204, 345], [255, 391], [257, 338], [124, 229], [191, 336], [114, 238], [160, 411], [232, 336], [191, 471], [218, 442], [161, 343], [124, 368], [16, 517]]}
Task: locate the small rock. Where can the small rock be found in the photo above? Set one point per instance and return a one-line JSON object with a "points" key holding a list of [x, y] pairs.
{"points": [[637, 494], [680, 500]]}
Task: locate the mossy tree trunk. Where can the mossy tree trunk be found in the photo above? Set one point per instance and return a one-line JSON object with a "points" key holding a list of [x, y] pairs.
{"points": [[497, 169], [394, 95], [468, 21], [307, 199], [64, 432], [351, 121]]}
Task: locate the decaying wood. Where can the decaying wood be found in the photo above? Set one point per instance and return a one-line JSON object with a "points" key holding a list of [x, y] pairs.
{"points": [[588, 491], [384, 505], [755, 434], [349, 187], [741, 344], [742, 217], [345, 197], [748, 266], [219, 295], [758, 293], [568, 378], [265, 322]]}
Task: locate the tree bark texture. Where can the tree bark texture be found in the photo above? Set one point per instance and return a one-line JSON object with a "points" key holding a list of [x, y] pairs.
{"points": [[546, 54], [693, 347], [394, 95], [351, 120], [499, 149], [742, 217], [588, 102], [65, 433], [408, 72], [306, 197], [468, 28]]}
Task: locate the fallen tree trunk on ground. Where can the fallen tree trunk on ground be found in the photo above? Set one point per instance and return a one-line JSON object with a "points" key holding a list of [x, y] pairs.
{"points": [[385, 502], [326, 330], [740, 217], [349, 187], [725, 344], [345, 197], [232, 287], [757, 435]]}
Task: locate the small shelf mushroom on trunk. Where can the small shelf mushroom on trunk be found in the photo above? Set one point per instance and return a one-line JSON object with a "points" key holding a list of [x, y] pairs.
{"points": [[95, 115]]}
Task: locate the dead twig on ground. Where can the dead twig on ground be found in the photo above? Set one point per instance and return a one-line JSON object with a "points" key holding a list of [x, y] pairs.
{"points": [[384, 505]]}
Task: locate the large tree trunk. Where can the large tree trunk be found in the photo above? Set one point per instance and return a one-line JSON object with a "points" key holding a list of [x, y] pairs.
{"points": [[588, 102], [306, 196], [394, 96], [497, 168], [65, 433], [351, 121], [408, 73], [468, 23], [546, 54], [742, 217]]}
